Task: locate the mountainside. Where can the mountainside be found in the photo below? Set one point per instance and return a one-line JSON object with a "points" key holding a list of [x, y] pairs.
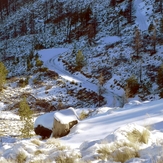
{"points": [[115, 40], [101, 59]]}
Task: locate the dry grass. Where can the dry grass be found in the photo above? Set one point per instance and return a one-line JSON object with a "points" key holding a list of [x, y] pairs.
{"points": [[124, 154], [72, 158], [123, 151], [48, 87], [53, 141], [117, 151], [21, 157], [137, 136], [158, 161], [57, 144], [104, 152], [36, 141], [83, 115], [38, 152]]}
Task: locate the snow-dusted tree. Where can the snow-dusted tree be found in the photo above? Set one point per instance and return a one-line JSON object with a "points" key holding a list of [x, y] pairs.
{"points": [[137, 41], [161, 25], [101, 89], [161, 28], [160, 77], [126, 95], [151, 27], [79, 60], [130, 11], [154, 39], [160, 5], [91, 33], [3, 75], [25, 114], [152, 32], [132, 86], [113, 3]]}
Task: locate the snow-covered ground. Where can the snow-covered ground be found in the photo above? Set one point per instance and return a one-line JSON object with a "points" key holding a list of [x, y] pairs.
{"points": [[104, 127], [108, 128]]}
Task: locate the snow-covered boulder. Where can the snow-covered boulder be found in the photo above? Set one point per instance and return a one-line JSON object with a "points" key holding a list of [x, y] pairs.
{"points": [[64, 120], [42, 131], [43, 125], [56, 123]]}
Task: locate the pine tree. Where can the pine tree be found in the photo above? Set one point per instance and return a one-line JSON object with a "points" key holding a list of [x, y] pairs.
{"points": [[101, 89], [26, 117], [138, 41], [113, 3], [3, 74], [153, 37], [79, 60], [132, 86], [151, 27], [160, 77], [152, 31], [130, 11], [161, 26]]}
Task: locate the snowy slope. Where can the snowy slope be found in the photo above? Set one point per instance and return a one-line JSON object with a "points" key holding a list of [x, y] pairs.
{"points": [[105, 127], [111, 51]]}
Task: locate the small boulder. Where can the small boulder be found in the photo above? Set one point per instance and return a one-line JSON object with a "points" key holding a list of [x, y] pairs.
{"points": [[42, 131]]}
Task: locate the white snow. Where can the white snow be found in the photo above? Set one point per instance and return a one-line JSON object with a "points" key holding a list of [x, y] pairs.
{"points": [[141, 18], [102, 128], [65, 116], [105, 125], [45, 120], [109, 40], [2, 106]]}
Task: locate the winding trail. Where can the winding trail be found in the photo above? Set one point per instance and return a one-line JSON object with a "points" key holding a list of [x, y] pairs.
{"points": [[50, 59]]}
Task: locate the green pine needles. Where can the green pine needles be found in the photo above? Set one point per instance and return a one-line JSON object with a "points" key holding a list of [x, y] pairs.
{"points": [[25, 114], [79, 60], [3, 74]]}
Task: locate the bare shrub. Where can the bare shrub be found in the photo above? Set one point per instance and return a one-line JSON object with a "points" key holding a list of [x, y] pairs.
{"points": [[104, 151], [36, 141], [71, 158], [83, 115], [57, 144], [118, 151], [137, 136], [38, 152], [124, 154], [48, 87], [21, 157]]}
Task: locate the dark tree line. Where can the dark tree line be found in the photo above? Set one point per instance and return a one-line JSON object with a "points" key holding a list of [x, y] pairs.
{"points": [[53, 12]]}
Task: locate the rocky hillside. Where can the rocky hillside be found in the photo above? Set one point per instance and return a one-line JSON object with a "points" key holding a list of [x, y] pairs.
{"points": [[118, 39]]}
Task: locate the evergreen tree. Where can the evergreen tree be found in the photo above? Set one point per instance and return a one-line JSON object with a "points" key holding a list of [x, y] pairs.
{"points": [[79, 60], [152, 31], [130, 10], [153, 38], [151, 27], [101, 89], [160, 77], [26, 116], [137, 41], [3, 74], [132, 86], [113, 3], [161, 26]]}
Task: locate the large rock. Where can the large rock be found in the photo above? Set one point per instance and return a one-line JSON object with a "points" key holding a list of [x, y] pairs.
{"points": [[57, 124], [64, 120], [43, 125], [42, 131]]}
